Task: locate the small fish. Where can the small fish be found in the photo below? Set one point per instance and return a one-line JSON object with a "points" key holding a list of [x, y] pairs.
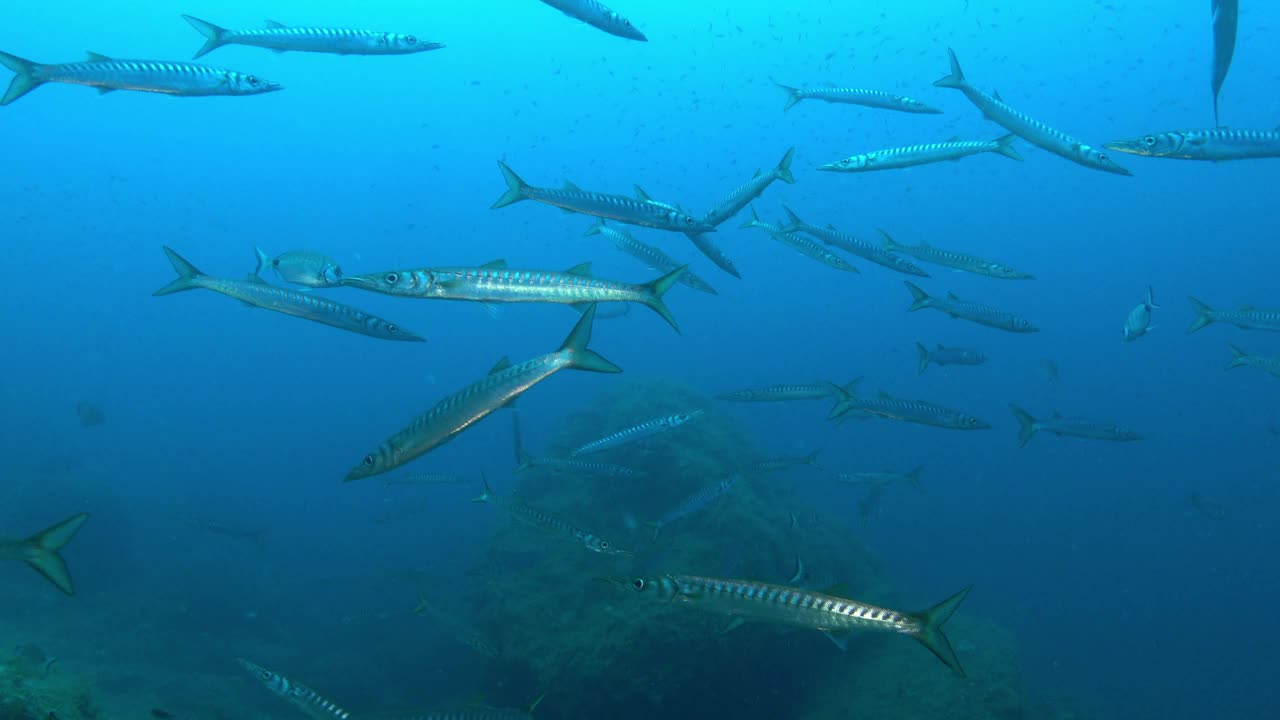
{"points": [[283, 38], [800, 244], [1027, 127], [983, 315], [882, 479], [40, 551], [695, 502], [301, 696], [108, 74], [548, 522], [1226, 16], [1139, 321], [597, 15], [473, 403], [255, 292], [1240, 358], [785, 462], [780, 393], [90, 415], [850, 244], [924, 252], [580, 467], [942, 356], [1246, 317], [626, 436], [885, 405], [649, 255], [914, 155], [1212, 145], [643, 211], [834, 616], [854, 96], [301, 267], [1028, 426]]}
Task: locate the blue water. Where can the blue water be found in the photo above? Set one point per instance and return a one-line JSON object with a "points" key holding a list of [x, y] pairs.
{"points": [[1119, 592]]}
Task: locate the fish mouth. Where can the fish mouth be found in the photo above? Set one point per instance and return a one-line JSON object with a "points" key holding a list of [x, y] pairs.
{"points": [[1124, 146], [830, 167], [358, 281]]}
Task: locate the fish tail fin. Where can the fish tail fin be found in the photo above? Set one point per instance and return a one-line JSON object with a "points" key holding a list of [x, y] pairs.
{"points": [[923, 352], [956, 78], [913, 477], [793, 95], [844, 397], [42, 551], [263, 260], [1204, 315], [215, 37], [1237, 357], [919, 298], [486, 492], [187, 274], [526, 461], [517, 189], [1004, 146], [24, 78], [1151, 298], [658, 288], [594, 229], [755, 218], [793, 220], [930, 633], [812, 459], [889, 243], [581, 358], [1026, 425], [784, 167]]}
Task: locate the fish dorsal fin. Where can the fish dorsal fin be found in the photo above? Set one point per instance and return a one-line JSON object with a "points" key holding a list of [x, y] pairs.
{"points": [[98, 57], [568, 185], [884, 395], [644, 196], [996, 93], [925, 243], [583, 269], [255, 279], [274, 24], [1057, 414], [831, 227], [837, 590], [940, 347], [498, 264], [1246, 308], [954, 138], [503, 363], [952, 296], [734, 623], [757, 173]]}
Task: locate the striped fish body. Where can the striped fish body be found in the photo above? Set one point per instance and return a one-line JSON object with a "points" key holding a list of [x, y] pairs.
{"points": [[626, 436], [955, 356], [973, 312], [925, 252], [742, 195], [1027, 127], [881, 479], [856, 246], [306, 699], [1086, 428], [599, 16], [856, 96], [1246, 317], [713, 253], [799, 243], [913, 155], [779, 393], [773, 465], [1214, 145], [282, 38], [426, 479], [649, 255], [914, 411], [153, 76], [695, 502], [550, 523], [581, 467], [1240, 358]]}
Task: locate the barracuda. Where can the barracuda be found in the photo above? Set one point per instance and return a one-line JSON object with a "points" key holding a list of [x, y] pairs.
{"points": [[855, 96], [461, 410], [1027, 127], [1240, 358], [746, 600], [778, 464], [780, 393], [1226, 17], [924, 252], [153, 76], [626, 436], [982, 314], [630, 210], [254, 291], [281, 38], [943, 356], [40, 551], [1079, 427], [926, 154], [598, 15], [742, 195], [850, 244], [800, 244], [570, 465], [914, 411], [695, 502], [882, 479], [651, 256], [301, 696], [496, 283], [1246, 317], [548, 522], [1214, 145]]}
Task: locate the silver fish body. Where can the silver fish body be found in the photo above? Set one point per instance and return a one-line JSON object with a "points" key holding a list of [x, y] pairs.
{"points": [[301, 696], [1027, 127], [801, 244], [742, 195], [626, 436], [780, 393], [942, 356], [549, 522], [649, 255], [926, 154], [695, 502], [850, 244], [920, 412], [1240, 358], [882, 479], [856, 96], [973, 312], [1226, 17], [153, 76], [1079, 427], [1213, 145], [578, 467], [257, 293], [1138, 323], [598, 15], [778, 464], [40, 551], [1246, 317], [284, 38], [924, 252], [302, 267]]}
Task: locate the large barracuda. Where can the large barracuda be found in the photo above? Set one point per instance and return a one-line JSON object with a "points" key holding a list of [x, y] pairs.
{"points": [[924, 252], [299, 695], [1079, 427], [1240, 358], [1214, 145], [1226, 16], [973, 312], [850, 244], [40, 551], [1027, 127], [885, 405], [801, 244], [496, 283], [642, 211], [649, 255], [742, 195], [947, 356], [926, 154], [597, 15], [1246, 317], [780, 393], [256, 292], [108, 74], [635, 433], [549, 522], [476, 401], [747, 600], [856, 96], [282, 38]]}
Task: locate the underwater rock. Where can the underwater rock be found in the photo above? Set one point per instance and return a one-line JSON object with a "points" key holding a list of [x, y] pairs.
{"points": [[31, 690]]}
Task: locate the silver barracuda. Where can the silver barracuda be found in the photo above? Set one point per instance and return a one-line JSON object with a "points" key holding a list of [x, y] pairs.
{"points": [[1240, 358], [1226, 17], [496, 283], [153, 76], [713, 253], [850, 244], [924, 252], [282, 38], [786, 462], [40, 551], [947, 356], [1027, 127], [1079, 427], [926, 154], [780, 393], [742, 195], [1213, 145], [642, 211], [801, 244], [695, 502], [855, 96], [459, 629], [578, 467], [256, 292], [461, 410], [649, 255], [599, 16], [297, 694], [747, 601], [301, 267], [920, 412], [549, 522], [1246, 317], [635, 433], [982, 314], [882, 479]]}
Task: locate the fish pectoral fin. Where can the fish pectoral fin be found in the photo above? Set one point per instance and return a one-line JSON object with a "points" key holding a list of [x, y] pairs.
{"points": [[274, 24], [255, 279], [498, 264], [105, 90], [840, 638], [734, 623], [583, 269], [568, 185], [494, 311], [98, 57], [642, 195]]}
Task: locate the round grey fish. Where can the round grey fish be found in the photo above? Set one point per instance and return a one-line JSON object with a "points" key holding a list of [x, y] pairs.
{"points": [[302, 267], [1139, 321]]}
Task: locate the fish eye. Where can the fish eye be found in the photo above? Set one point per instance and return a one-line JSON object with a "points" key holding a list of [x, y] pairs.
{"points": [[626, 22], [392, 329], [1102, 157], [973, 421], [392, 278], [638, 583], [688, 221], [252, 80], [411, 39], [846, 161], [604, 544], [1150, 140], [368, 461], [266, 675]]}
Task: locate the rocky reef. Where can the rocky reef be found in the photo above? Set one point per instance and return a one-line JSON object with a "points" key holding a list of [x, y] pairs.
{"points": [[34, 687]]}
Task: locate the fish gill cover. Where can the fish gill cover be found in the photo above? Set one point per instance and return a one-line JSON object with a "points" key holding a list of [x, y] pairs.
{"points": [[771, 512]]}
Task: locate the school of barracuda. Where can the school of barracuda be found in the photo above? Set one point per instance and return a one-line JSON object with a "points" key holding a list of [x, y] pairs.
{"points": [[494, 284]]}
